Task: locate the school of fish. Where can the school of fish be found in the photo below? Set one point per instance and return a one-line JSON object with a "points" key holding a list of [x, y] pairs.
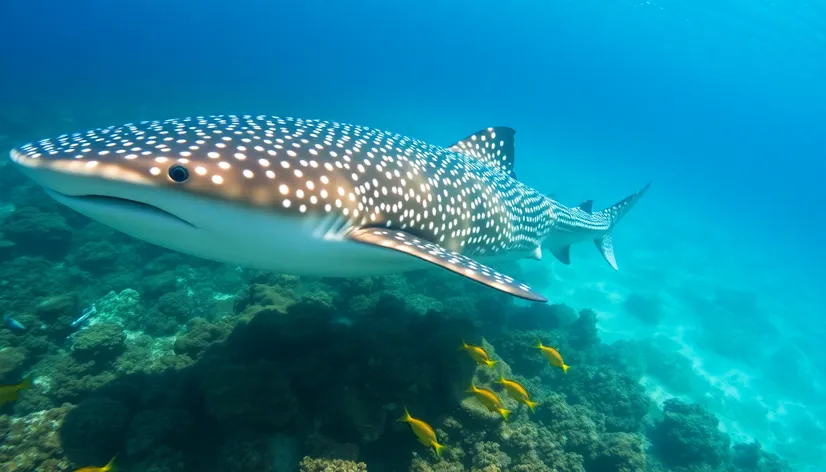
{"points": [[488, 398], [423, 431]]}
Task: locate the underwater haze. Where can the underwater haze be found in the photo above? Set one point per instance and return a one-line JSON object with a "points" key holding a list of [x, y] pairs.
{"points": [[702, 352]]}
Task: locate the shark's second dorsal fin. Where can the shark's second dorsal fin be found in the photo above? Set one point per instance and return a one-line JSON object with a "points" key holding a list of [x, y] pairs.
{"points": [[452, 261], [493, 146]]}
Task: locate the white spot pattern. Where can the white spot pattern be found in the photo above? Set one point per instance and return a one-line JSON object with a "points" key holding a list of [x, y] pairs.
{"points": [[464, 201], [493, 146]]}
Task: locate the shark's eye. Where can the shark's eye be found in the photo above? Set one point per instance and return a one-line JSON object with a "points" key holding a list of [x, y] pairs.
{"points": [[178, 173]]}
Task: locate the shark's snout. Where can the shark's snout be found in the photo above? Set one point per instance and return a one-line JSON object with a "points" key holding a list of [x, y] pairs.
{"points": [[100, 190]]}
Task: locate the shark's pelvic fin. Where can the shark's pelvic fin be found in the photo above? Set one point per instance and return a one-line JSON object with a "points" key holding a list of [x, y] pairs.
{"points": [[493, 146], [452, 261], [606, 248], [536, 254], [587, 206], [563, 254]]}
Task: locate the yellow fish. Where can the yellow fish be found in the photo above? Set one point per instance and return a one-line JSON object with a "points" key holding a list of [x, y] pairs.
{"points": [[107, 468], [517, 392], [553, 356], [423, 431], [8, 392], [490, 400], [478, 354]]}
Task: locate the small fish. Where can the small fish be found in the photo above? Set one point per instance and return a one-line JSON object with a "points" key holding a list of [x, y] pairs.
{"points": [[489, 399], [478, 354], [110, 467], [9, 392], [517, 392], [553, 356], [13, 324], [88, 312], [423, 431]]}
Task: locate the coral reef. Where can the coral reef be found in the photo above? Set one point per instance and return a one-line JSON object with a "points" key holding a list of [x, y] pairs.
{"points": [[57, 313], [200, 335], [92, 432], [621, 452], [309, 464], [11, 362], [97, 257], [233, 395], [101, 342], [752, 457], [32, 443], [688, 435], [187, 365], [611, 394], [173, 310], [288, 365], [37, 232]]}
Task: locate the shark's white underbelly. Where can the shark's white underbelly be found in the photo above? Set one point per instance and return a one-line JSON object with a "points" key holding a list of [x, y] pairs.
{"points": [[277, 241], [562, 239], [282, 243]]}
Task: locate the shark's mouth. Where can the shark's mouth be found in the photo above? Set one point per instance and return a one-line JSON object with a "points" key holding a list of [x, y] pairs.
{"points": [[116, 204]]}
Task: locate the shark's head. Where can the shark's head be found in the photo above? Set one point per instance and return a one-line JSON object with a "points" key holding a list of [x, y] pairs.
{"points": [[127, 181], [198, 185]]}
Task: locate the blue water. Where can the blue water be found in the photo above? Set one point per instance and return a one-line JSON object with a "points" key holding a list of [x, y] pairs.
{"points": [[722, 104], [719, 102]]}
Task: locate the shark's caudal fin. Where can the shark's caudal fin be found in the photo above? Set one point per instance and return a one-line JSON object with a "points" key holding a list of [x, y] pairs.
{"points": [[614, 213]]}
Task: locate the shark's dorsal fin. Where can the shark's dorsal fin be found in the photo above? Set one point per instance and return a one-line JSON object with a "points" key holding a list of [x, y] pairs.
{"points": [[587, 206], [563, 254], [493, 146], [452, 261]]}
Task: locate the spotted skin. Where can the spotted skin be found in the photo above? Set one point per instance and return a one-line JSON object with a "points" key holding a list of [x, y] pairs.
{"points": [[482, 146], [453, 204]]}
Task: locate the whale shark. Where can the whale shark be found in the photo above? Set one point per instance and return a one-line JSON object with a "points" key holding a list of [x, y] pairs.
{"points": [[312, 197]]}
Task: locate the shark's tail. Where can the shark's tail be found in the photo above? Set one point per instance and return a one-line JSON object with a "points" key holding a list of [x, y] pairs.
{"points": [[613, 214]]}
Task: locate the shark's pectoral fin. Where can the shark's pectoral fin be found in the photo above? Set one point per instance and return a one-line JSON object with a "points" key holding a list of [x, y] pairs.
{"points": [[606, 247], [452, 261], [563, 254]]}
